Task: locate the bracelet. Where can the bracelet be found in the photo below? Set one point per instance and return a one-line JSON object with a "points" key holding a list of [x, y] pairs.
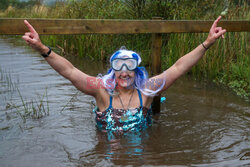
{"points": [[204, 46], [46, 55]]}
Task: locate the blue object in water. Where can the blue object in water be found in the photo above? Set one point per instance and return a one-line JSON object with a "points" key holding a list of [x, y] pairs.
{"points": [[163, 99]]}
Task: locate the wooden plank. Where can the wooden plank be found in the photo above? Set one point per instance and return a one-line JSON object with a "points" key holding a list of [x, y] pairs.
{"points": [[76, 26]]}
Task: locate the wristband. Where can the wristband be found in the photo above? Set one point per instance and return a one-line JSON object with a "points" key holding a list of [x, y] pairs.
{"points": [[46, 55], [204, 46]]}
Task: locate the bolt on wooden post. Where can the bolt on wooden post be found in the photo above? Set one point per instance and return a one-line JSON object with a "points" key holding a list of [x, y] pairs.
{"points": [[156, 64]]}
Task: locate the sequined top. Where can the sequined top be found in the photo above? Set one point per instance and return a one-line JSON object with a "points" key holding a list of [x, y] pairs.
{"points": [[123, 120]]}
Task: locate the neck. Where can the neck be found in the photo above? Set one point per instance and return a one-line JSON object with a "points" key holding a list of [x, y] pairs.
{"points": [[125, 90]]}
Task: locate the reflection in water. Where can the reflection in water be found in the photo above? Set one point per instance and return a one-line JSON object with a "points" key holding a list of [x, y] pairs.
{"points": [[118, 147], [116, 143], [199, 124]]}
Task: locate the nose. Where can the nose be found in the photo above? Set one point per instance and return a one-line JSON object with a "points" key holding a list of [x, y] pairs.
{"points": [[124, 68], [124, 73]]}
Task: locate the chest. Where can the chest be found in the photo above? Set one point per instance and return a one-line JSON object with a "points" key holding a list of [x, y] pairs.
{"points": [[123, 102]]}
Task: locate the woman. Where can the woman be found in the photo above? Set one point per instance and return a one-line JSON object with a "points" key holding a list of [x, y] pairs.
{"points": [[124, 95]]}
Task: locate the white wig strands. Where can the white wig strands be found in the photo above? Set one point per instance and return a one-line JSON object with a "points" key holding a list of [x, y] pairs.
{"points": [[141, 76]]}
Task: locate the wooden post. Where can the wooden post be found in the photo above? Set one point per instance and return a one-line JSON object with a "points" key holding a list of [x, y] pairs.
{"points": [[156, 65]]}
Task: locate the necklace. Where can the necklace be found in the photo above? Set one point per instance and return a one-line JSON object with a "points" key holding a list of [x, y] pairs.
{"points": [[129, 100]]}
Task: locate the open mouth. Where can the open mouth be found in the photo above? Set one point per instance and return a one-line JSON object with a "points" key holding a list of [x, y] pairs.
{"points": [[125, 78]]}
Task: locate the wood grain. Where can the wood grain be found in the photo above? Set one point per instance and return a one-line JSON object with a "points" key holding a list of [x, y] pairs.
{"points": [[76, 26]]}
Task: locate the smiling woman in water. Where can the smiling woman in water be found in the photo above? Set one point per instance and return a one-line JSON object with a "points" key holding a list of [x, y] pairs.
{"points": [[123, 95]]}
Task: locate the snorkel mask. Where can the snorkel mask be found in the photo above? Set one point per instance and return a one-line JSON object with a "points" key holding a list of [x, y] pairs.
{"points": [[123, 64], [123, 60]]}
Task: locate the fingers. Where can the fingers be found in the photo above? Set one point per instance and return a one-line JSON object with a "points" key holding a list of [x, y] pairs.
{"points": [[30, 27], [216, 22], [29, 34], [28, 40], [217, 29], [220, 34]]}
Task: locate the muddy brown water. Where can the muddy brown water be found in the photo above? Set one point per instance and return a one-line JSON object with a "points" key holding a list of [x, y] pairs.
{"points": [[200, 124]]}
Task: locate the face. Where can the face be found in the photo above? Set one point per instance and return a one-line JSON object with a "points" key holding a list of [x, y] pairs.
{"points": [[125, 78]]}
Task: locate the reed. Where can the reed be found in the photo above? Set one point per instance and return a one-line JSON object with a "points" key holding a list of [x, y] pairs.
{"points": [[35, 108], [6, 81], [70, 102]]}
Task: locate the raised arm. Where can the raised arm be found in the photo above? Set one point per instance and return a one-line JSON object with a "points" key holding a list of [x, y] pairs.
{"points": [[61, 65], [186, 62]]}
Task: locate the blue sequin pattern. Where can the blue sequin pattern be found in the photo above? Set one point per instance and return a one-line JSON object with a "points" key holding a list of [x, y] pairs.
{"points": [[123, 120]]}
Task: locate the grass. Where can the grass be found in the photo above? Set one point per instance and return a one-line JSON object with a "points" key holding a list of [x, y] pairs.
{"points": [[34, 109], [69, 102], [6, 81]]}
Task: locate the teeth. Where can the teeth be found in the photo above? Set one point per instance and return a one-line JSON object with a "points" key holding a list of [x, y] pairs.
{"points": [[126, 78]]}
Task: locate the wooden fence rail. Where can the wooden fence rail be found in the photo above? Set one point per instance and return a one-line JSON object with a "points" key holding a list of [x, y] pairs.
{"points": [[156, 27], [77, 26]]}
